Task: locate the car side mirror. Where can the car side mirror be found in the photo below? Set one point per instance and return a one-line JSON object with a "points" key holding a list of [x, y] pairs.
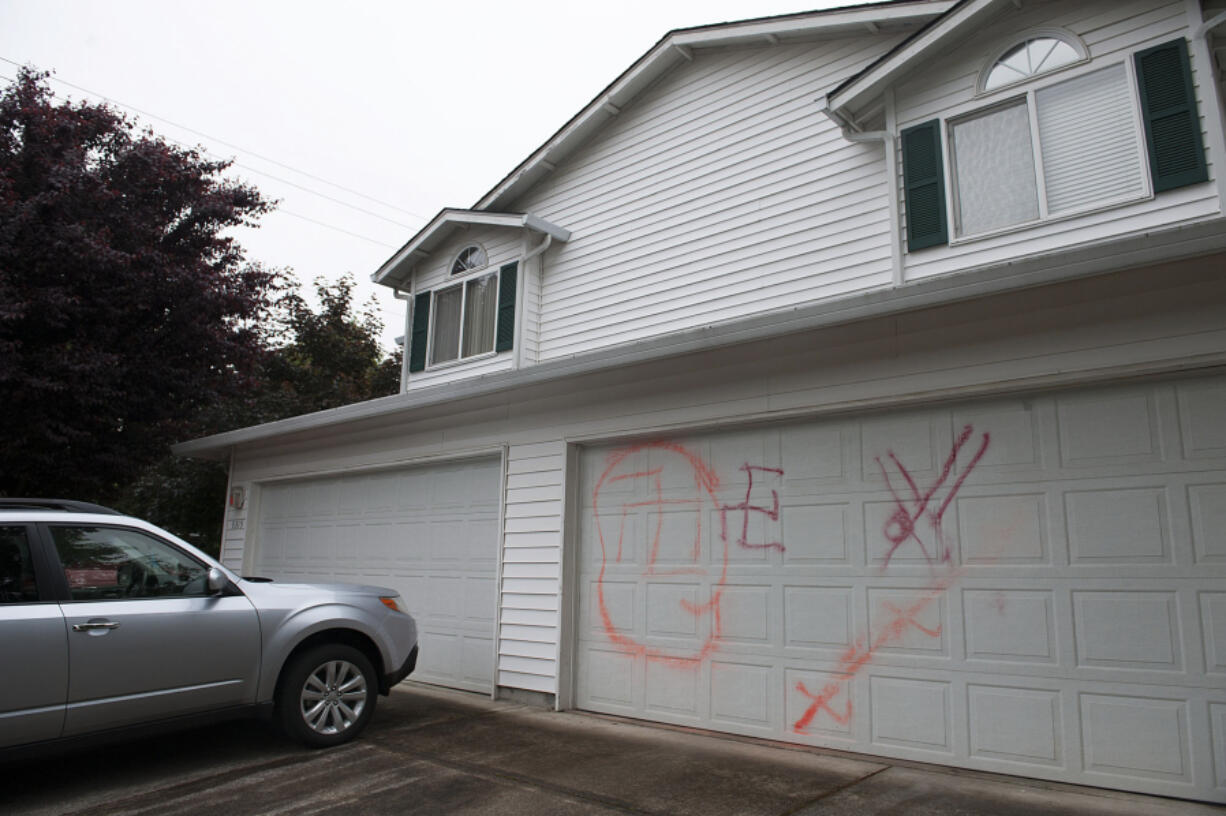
{"points": [[216, 581]]}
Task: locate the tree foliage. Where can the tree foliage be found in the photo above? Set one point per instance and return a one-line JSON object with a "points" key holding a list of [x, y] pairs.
{"points": [[323, 359], [330, 358], [125, 309], [130, 320]]}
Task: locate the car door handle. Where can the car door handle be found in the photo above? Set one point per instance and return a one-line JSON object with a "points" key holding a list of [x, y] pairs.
{"points": [[89, 627]]}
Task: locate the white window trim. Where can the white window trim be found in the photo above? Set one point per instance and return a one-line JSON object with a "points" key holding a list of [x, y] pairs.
{"points": [[1061, 34], [451, 265], [462, 282], [1010, 93]]}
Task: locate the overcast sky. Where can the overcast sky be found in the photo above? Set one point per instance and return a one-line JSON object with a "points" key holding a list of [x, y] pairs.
{"points": [[410, 106]]}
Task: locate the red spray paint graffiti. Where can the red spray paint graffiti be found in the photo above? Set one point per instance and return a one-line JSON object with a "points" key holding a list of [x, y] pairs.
{"points": [[705, 498], [901, 526], [748, 507], [860, 653], [899, 529]]}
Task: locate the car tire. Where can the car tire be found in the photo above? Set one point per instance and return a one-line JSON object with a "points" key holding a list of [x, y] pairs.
{"points": [[327, 695]]}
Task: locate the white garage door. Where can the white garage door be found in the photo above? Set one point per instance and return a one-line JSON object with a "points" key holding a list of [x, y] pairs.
{"points": [[430, 532], [1031, 586]]}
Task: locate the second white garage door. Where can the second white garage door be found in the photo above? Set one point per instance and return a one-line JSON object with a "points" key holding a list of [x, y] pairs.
{"points": [[429, 532], [1030, 585]]}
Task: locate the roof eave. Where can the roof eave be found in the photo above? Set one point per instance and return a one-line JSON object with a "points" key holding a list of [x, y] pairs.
{"points": [[873, 80], [1175, 243], [387, 274]]}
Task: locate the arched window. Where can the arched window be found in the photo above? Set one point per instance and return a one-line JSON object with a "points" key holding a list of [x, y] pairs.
{"points": [[470, 258], [1036, 55]]}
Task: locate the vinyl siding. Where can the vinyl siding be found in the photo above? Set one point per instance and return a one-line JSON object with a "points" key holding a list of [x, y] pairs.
{"points": [[720, 192], [531, 575], [1112, 32], [1115, 326], [233, 536]]}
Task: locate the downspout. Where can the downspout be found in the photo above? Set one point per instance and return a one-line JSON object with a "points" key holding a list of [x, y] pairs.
{"points": [[1202, 54], [408, 334], [852, 133], [519, 299]]}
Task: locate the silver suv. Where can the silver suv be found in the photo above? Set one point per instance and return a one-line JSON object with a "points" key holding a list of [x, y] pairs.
{"points": [[108, 623]]}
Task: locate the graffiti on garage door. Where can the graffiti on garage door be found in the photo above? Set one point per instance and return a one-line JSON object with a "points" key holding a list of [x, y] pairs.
{"points": [[680, 480]]}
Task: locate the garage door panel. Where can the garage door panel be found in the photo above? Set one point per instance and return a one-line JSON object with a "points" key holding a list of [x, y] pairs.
{"points": [[1135, 736], [1015, 724], [1007, 585], [1213, 624], [1202, 415], [1109, 429], [1003, 529], [1208, 508], [1011, 625], [391, 529], [671, 692]]}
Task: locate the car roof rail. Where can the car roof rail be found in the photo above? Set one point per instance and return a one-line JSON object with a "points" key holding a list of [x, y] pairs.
{"points": [[67, 505]]}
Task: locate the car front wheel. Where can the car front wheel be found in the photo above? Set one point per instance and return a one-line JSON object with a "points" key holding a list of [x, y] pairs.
{"points": [[327, 695]]}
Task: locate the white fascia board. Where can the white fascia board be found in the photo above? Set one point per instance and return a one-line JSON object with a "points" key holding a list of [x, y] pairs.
{"points": [[449, 217], [672, 50], [1109, 255], [877, 77], [853, 17]]}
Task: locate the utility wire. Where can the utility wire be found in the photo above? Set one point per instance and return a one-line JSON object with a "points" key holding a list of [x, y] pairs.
{"points": [[284, 211], [334, 227], [248, 152]]}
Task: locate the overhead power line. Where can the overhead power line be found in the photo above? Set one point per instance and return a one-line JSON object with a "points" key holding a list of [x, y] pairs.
{"points": [[334, 227], [260, 156], [284, 211]]}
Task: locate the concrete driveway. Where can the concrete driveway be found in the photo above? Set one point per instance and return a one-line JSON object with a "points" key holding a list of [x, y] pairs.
{"points": [[435, 751]]}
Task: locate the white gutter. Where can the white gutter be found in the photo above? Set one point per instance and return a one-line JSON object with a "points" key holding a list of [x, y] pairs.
{"points": [[1210, 24], [1106, 255]]}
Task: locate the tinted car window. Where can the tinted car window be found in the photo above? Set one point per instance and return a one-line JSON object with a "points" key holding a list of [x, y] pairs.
{"points": [[16, 570], [112, 562]]}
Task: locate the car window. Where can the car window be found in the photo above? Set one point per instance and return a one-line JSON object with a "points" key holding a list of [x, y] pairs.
{"points": [[113, 562], [16, 569]]}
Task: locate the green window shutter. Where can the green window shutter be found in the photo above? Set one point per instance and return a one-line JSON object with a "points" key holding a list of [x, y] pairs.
{"points": [[1172, 123], [508, 277], [420, 335], [923, 175]]}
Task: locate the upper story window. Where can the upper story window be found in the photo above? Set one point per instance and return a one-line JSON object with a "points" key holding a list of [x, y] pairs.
{"points": [[464, 319], [1059, 146], [1031, 58], [471, 317], [470, 258], [1068, 146]]}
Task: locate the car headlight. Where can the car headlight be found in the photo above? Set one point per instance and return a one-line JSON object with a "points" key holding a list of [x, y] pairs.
{"points": [[392, 602]]}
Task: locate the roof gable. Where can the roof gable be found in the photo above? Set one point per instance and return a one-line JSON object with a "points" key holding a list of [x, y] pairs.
{"points": [[396, 270], [676, 48]]}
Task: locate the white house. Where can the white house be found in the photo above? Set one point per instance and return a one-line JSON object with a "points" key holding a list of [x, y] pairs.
{"points": [[852, 378]]}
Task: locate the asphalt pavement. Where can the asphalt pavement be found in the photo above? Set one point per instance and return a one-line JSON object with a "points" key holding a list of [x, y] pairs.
{"points": [[436, 751]]}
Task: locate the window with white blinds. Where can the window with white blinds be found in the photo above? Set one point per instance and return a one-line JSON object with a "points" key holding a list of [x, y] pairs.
{"points": [[1064, 148], [1091, 147]]}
